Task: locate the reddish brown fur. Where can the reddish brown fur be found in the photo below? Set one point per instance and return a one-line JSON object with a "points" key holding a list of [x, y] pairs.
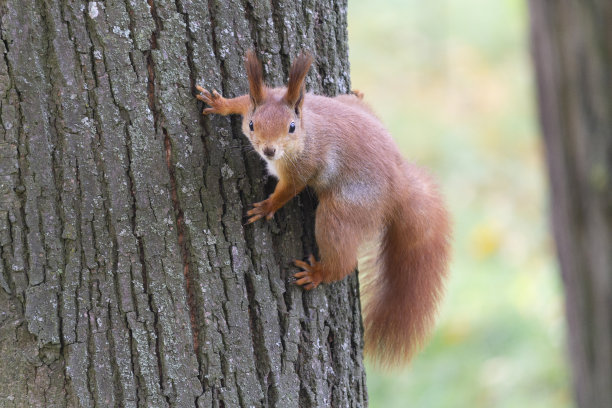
{"points": [[257, 88], [297, 73], [365, 189], [413, 255]]}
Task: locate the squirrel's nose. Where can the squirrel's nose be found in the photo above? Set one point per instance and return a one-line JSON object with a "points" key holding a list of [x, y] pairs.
{"points": [[269, 152]]}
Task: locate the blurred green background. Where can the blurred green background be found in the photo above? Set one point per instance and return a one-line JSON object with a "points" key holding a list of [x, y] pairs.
{"points": [[452, 81]]}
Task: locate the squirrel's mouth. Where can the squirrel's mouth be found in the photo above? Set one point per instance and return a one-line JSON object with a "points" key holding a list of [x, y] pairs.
{"points": [[272, 156]]}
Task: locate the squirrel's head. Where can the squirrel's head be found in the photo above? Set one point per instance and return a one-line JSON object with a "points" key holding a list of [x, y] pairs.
{"points": [[274, 122]]}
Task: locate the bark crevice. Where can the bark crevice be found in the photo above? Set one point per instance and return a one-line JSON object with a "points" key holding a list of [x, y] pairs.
{"points": [[124, 212]]}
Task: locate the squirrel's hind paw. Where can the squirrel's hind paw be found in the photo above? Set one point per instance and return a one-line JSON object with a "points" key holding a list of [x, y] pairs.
{"points": [[311, 276]]}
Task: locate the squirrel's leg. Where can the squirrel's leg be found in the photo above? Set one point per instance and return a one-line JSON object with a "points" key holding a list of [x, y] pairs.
{"points": [[223, 106], [283, 192], [339, 230]]}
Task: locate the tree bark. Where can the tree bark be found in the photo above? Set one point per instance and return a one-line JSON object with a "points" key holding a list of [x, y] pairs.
{"points": [[127, 275], [572, 48]]}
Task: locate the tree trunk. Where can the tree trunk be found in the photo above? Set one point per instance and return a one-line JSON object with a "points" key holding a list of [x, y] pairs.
{"points": [[127, 275], [572, 47]]}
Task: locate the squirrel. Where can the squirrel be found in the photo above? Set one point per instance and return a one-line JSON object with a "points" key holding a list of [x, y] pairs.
{"points": [[339, 148]]}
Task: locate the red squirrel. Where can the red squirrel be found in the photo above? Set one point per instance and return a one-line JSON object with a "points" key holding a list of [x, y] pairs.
{"points": [[339, 148]]}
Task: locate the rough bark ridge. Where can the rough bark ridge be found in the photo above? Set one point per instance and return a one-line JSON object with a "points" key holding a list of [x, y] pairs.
{"points": [[127, 277], [572, 47]]}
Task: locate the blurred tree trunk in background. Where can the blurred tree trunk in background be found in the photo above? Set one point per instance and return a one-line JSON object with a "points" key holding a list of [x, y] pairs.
{"points": [[127, 277], [572, 48]]}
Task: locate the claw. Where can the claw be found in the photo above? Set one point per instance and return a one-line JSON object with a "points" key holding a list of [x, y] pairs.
{"points": [[260, 210], [311, 276], [254, 218], [205, 97], [305, 279], [203, 92], [214, 99], [301, 264]]}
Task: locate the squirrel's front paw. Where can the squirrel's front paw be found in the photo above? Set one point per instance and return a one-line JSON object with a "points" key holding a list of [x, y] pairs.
{"points": [[312, 274], [261, 209], [217, 102], [357, 93]]}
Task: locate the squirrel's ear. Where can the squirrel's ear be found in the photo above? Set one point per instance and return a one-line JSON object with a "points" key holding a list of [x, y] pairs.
{"points": [[295, 87], [257, 88]]}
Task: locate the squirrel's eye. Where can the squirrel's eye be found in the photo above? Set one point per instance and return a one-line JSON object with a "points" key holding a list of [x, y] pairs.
{"points": [[292, 127], [251, 125]]}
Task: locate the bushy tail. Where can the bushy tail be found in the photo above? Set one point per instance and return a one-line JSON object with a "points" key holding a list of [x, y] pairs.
{"points": [[402, 293]]}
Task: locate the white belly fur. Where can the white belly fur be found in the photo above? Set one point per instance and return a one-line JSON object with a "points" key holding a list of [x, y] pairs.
{"points": [[271, 167]]}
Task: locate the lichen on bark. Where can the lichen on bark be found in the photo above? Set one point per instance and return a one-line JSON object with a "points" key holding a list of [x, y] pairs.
{"points": [[127, 275]]}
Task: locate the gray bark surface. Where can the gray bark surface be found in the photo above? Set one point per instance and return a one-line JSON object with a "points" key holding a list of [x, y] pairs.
{"points": [[572, 50], [127, 277]]}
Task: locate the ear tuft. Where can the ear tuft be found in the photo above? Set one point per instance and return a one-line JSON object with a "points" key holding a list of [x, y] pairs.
{"points": [[295, 87], [257, 88]]}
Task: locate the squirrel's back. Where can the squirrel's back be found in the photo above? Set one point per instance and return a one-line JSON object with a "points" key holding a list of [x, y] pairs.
{"points": [[351, 146], [362, 164]]}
